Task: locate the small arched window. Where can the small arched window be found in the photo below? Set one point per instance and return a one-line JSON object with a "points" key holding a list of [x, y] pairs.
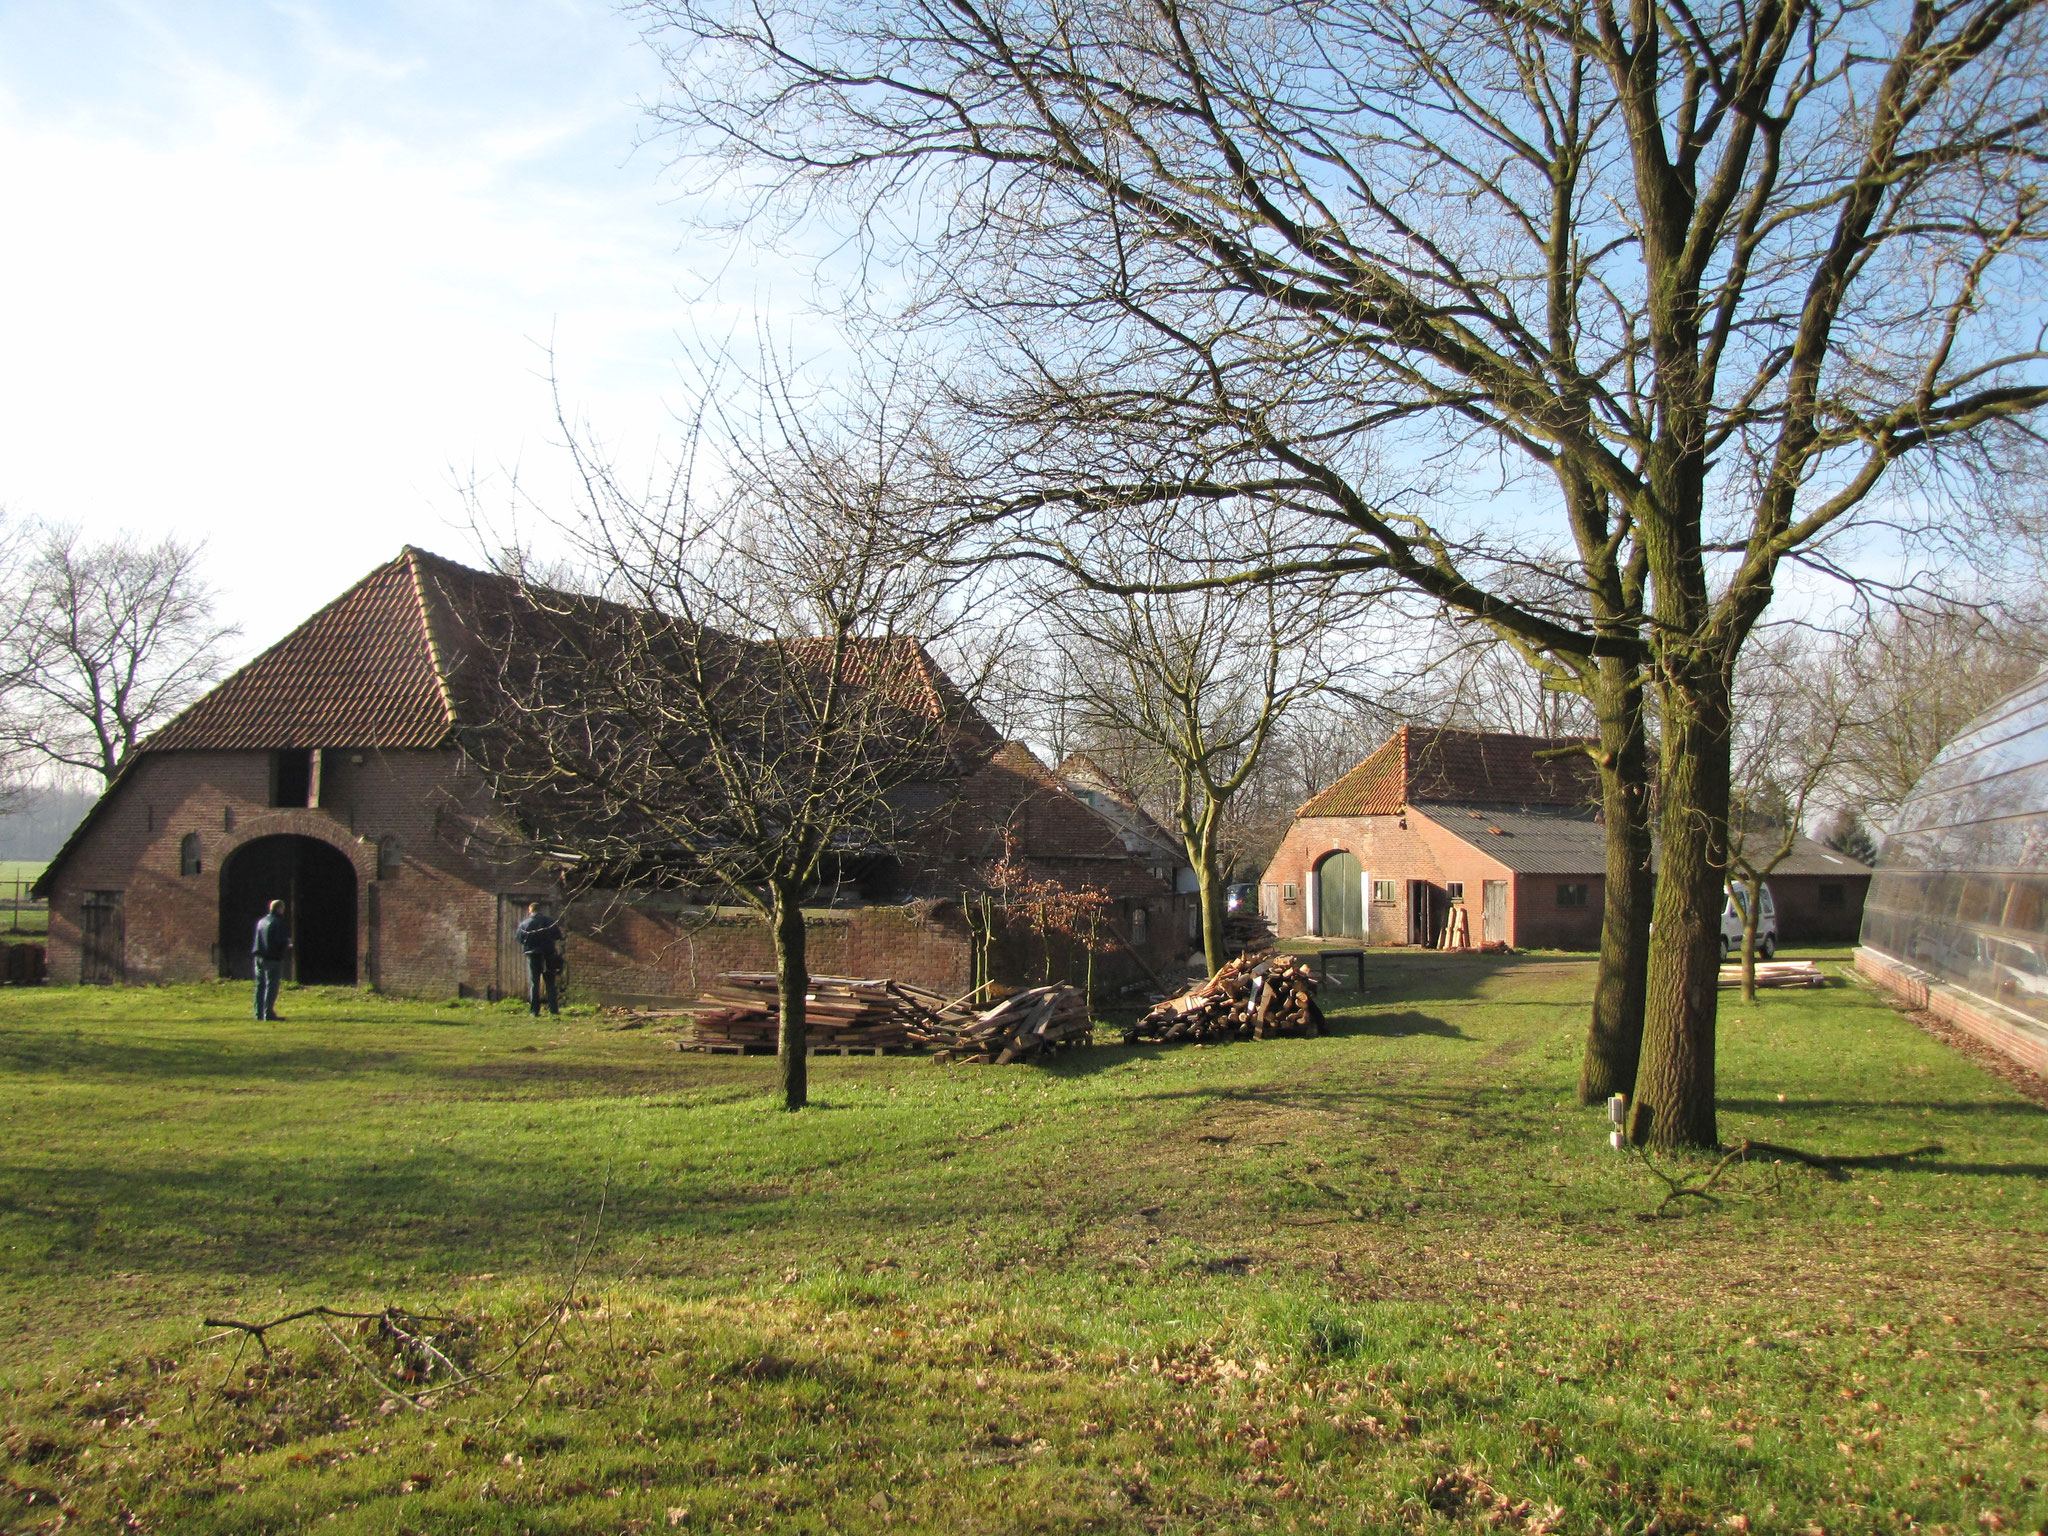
{"points": [[188, 854], [389, 859]]}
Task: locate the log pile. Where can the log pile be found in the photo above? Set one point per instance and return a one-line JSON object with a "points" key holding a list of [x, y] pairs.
{"points": [[1251, 998], [742, 1012], [1033, 1023]]}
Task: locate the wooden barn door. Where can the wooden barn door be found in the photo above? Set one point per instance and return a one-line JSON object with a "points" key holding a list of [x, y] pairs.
{"points": [[1341, 892], [102, 940], [511, 958], [1493, 918]]}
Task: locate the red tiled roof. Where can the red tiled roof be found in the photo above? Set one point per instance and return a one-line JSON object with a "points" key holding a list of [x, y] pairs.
{"points": [[1477, 767], [359, 673], [411, 652]]}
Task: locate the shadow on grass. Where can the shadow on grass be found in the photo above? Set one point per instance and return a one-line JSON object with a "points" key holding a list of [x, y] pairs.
{"points": [[1399, 975], [1972, 1107], [267, 1219], [1912, 1160], [186, 1056], [1393, 1026]]}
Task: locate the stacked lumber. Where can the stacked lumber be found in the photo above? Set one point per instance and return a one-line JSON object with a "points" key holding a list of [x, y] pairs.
{"points": [[1248, 932], [1777, 973], [1024, 1027], [1251, 998], [742, 1011]]}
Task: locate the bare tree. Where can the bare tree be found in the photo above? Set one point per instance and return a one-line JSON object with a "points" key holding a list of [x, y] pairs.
{"points": [[1696, 282], [102, 643], [1921, 670], [746, 708], [1794, 718], [1200, 680]]}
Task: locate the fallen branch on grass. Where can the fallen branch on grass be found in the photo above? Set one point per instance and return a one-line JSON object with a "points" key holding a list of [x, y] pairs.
{"points": [[388, 1316], [1688, 1186], [396, 1322]]}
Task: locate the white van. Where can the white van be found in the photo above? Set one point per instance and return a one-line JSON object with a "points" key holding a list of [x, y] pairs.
{"points": [[1731, 925]]}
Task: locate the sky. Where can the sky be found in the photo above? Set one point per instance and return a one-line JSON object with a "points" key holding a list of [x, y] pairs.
{"points": [[283, 276]]}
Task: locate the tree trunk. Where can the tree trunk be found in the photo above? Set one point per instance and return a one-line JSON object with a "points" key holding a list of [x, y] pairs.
{"points": [[1214, 893], [1614, 1039], [1674, 1103], [793, 980], [1750, 918]]}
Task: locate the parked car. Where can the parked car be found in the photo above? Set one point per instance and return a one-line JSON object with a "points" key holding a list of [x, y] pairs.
{"points": [[1240, 898], [1731, 924]]}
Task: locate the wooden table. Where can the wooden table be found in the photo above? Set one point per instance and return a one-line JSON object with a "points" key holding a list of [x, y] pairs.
{"points": [[1324, 957]]}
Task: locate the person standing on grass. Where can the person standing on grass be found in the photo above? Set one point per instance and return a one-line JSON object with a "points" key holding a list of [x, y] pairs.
{"points": [[541, 937], [273, 944]]}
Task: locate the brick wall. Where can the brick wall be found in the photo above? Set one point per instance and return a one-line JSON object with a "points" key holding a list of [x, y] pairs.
{"points": [[424, 925], [1539, 922], [1388, 850], [625, 948], [1803, 920], [428, 924], [2023, 1042]]}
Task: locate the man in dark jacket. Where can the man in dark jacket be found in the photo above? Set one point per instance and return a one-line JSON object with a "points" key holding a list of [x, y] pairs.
{"points": [[541, 937], [273, 943]]}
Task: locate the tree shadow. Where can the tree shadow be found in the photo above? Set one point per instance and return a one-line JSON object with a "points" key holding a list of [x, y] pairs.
{"points": [[1394, 1026], [1865, 1106], [1838, 1166], [1402, 975]]}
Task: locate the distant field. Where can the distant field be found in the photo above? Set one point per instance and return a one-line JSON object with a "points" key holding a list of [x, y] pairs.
{"points": [[30, 920]]}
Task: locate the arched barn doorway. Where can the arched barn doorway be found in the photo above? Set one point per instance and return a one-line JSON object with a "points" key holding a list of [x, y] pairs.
{"points": [[1340, 896], [317, 884]]}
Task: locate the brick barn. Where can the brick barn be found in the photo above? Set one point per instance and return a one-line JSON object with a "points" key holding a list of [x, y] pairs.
{"points": [[329, 772], [1439, 820]]}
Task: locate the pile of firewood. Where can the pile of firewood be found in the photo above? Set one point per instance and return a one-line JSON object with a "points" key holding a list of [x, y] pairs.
{"points": [[840, 1012], [1023, 1027], [1251, 998]]}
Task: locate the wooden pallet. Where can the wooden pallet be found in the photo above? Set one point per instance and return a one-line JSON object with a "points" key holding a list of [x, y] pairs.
{"points": [[720, 1048]]}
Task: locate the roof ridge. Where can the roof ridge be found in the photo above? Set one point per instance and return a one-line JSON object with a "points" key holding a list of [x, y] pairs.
{"points": [[411, 555]]}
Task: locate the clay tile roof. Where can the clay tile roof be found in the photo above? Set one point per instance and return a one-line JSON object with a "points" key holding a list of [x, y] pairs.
{"points": [[359, 673], [1480, 767]]}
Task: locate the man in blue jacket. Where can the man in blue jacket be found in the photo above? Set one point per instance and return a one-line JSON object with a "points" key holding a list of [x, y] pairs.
{"points": [[273, 943], [541, 937]]}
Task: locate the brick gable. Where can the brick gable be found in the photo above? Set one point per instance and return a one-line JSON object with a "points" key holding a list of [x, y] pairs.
{"points": [[1477, 767]]}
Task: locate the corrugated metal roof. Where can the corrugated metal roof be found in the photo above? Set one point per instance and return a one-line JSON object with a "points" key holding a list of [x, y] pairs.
{"points": [[1530, 840], [1541, 840], [1418, 764], [1811, 858]]}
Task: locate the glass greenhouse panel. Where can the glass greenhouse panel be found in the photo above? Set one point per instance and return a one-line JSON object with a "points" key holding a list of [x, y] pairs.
{"points": [[1962, 888]]}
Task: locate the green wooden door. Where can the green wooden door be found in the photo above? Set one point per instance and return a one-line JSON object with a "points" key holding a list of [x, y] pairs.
{"points": [[1341, 896]]}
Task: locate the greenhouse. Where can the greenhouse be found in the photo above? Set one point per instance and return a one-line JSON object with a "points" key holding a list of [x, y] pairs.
{"points": [[1960, 898]]}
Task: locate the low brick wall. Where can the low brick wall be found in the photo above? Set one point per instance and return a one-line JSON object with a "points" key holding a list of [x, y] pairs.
{"points": [[2005, 1033], [631, 952]]}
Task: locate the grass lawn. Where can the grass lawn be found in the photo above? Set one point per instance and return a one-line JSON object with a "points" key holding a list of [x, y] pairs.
{"points": [[1389, 1280]]}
